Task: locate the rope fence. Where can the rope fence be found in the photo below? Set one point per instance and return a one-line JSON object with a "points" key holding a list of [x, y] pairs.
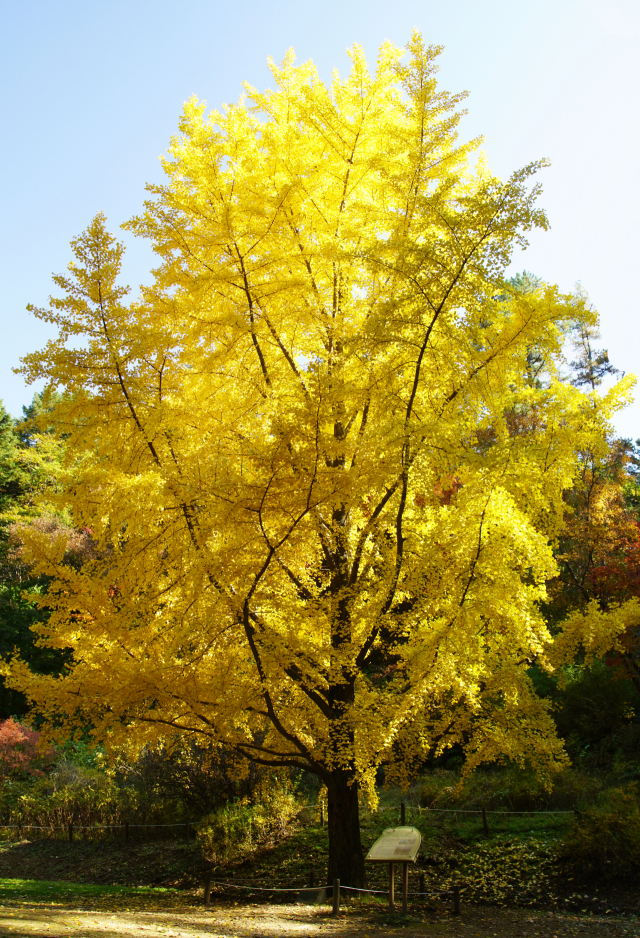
{"points": [[125, 827], [481, 811], [335, 890], [188, 827], [316, 889], [85, 827], [501, 811]]}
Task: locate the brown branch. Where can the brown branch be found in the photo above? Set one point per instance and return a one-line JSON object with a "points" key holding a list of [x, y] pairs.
{"points": [[275, 720]]}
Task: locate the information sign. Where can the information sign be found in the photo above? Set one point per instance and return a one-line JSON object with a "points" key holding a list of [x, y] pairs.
{"points": [[396, 845]]}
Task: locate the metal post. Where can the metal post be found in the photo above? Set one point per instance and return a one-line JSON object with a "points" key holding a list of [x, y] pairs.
{"points": [[70, 831], [405, 886], [484, 821], [456, 900], [207, 889], [402, 814], [392, 872], [336, 897]]}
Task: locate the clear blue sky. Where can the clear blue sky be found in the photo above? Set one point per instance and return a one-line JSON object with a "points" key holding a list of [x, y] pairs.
{"points": [[92, 92]]}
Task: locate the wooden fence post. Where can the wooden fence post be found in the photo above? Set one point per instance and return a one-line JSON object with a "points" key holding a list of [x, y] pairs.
{"points": [[207, 889], [456, 900], [336, 897], [402, 814], [485, 824], [392, 876], [405, 886]]}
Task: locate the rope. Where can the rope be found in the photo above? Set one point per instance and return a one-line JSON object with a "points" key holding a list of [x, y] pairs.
{"points": [[417, 808], [85, 827], [378, 892], [56, 827], [183, 824], [385, 892], [501, 813], [214, 882]]}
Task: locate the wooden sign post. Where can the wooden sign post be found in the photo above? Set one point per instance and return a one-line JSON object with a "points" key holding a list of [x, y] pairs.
{"points": [[397, 845]]}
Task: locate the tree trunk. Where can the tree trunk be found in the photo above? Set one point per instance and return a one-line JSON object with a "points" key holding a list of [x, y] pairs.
{"points": [[346, 861]]}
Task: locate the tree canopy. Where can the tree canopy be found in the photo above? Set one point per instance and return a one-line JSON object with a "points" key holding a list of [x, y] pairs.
{"points": [[320, 481], [28, 465]]}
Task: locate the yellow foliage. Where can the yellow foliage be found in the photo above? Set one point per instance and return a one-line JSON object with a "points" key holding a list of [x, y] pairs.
{"points": [[594, 631], [321, 484]]}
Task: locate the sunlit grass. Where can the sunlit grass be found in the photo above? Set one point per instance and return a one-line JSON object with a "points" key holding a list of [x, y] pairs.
{"points": [[19, 891]]}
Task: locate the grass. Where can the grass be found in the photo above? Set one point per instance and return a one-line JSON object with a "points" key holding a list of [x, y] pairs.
{"points": [[63, 894]]}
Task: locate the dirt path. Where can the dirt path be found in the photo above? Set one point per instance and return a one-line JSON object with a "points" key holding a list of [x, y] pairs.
{"points": [[300, 921]]}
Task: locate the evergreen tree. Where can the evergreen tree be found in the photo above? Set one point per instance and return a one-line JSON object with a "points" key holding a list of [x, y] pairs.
{"points": [[591, 365], [28, 467]]}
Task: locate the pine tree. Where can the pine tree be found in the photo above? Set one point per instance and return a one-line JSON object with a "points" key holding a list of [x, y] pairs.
{"points": [[591, 365]]}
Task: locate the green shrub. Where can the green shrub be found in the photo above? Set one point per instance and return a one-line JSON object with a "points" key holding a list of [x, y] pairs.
{"points": [[69, 794], [595, 715], [510, 788], [189, 779], [604, 840], [439, 789], [234, 833]]}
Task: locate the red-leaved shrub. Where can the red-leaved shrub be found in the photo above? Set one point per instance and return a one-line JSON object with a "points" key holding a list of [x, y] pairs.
{"points": [[20, 752]]}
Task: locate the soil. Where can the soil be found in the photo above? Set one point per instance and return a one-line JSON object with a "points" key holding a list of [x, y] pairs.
{"points": [[265, 921]]}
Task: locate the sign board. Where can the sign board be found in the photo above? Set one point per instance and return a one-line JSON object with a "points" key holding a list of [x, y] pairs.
{"points": [[396, 845]]}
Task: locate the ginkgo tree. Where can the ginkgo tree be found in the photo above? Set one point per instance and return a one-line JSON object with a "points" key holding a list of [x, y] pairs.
{"points": [[321, 484]]}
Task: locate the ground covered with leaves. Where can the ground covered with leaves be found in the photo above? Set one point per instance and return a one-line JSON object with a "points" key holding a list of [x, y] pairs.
{"points": [[105, 862], [514, 867], [99, 913], [514, 883]]}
